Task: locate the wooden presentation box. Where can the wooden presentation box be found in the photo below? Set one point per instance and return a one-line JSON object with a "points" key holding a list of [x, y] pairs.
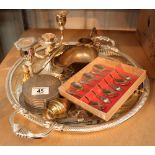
{"points": [[140, 75]]}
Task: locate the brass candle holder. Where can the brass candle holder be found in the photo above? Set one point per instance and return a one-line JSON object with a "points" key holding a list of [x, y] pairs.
{"points": [[61, 21]]}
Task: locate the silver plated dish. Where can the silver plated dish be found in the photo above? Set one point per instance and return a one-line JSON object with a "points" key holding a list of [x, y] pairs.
{"points": [[129, 109]]}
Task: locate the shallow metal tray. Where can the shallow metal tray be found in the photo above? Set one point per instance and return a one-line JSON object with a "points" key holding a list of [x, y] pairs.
{"points": [[130, 107]]}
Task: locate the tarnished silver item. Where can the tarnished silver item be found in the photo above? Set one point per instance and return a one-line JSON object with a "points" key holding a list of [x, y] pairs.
{"points": [[24, 44], [38, 91]]}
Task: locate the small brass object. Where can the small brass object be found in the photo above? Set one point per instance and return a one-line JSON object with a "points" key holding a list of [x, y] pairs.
{"points": [[29, 60], [57, 108], [26, 72]]}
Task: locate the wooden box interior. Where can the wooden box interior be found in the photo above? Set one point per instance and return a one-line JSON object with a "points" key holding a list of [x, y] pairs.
{"points": [[106, 116]]}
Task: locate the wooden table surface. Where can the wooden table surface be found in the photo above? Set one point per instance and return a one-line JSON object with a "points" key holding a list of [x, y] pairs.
{"points": [[138, 130]]}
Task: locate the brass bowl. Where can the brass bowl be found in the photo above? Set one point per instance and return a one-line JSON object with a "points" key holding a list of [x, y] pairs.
{"points": [[77, 54]]}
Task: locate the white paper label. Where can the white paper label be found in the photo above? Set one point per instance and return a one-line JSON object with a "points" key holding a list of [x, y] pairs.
{"points": [[40, 90]]}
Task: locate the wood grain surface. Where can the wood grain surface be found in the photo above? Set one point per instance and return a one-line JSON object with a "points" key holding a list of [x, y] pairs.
{"points": [[138, 130]]}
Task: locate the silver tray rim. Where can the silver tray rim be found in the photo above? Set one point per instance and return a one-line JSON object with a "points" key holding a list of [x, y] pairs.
{"points": [[87, 128]]}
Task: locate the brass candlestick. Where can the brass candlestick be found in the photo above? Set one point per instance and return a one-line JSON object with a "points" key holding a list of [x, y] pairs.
{"points": [[61, 21]]}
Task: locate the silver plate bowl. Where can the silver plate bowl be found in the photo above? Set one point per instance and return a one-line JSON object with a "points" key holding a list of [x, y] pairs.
{"points": [[130, 107]]}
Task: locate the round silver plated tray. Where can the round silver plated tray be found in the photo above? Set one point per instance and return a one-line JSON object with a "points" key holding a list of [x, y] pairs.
{"points": [[130, 107]]}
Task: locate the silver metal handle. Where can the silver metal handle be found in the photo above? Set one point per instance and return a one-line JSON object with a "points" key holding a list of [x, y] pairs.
{"points": [[23, 132], [103, 38]]}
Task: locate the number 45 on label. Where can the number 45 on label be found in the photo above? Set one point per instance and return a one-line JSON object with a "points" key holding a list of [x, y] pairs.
{"points": [[40, 90]]}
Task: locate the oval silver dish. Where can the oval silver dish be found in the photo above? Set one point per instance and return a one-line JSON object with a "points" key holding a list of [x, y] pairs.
{"points": [[14, 84]]}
